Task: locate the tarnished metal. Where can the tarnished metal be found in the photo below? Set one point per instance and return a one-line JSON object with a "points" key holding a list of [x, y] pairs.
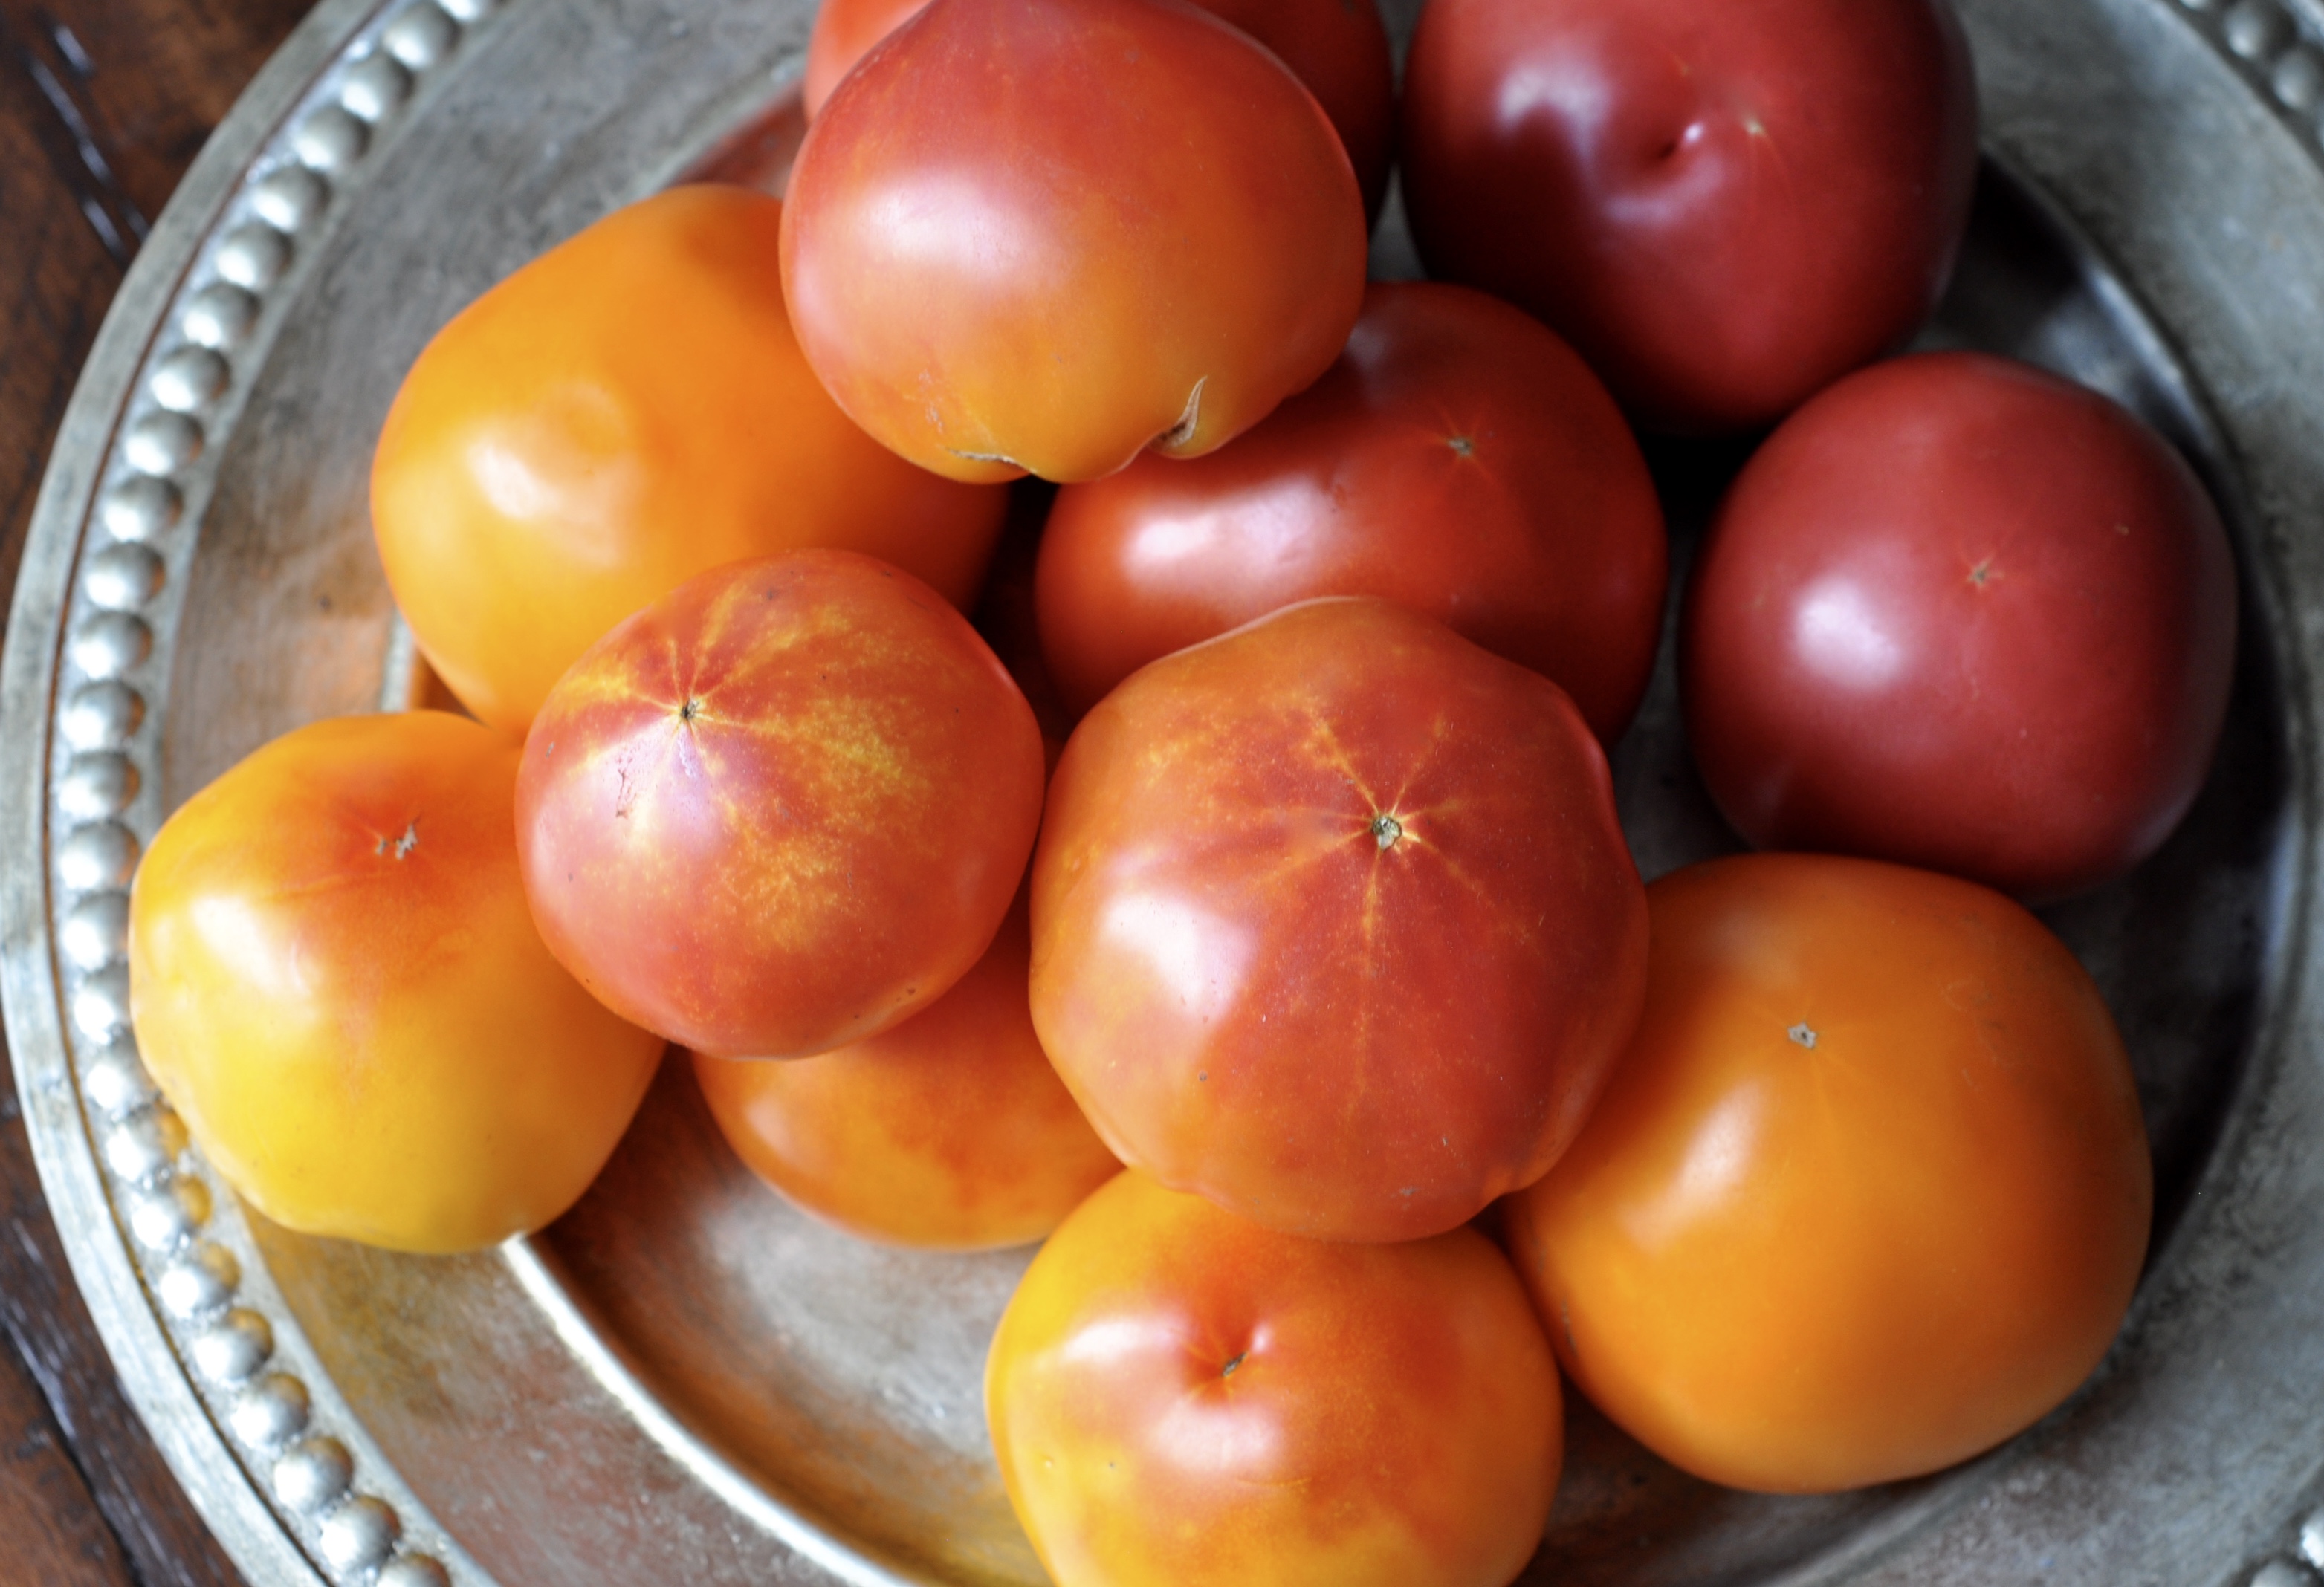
{"points": [[683, 1381]]}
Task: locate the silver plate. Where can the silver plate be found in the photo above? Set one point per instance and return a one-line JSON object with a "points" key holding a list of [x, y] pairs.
{"points": [[682, 1380]]}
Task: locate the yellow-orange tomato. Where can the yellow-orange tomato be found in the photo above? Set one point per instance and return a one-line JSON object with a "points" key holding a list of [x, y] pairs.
{"points": [[1181, 1398], [335, 982], [1040, 236], [1868, 1193], [950, 1130], [626, 411]]}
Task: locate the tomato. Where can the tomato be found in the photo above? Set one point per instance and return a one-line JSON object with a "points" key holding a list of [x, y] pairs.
{"points": [[1961, 613], [1869, 1192], [1038, 235], [334, 980], [1338, 50], [1180, 1398], [1458, 458], [780, 808], [1723, 207], [950, 1130], [1334, 923], [626, 411]]}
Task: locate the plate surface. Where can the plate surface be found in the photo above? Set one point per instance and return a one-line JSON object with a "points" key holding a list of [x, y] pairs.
{"points": [[684, 1380]]}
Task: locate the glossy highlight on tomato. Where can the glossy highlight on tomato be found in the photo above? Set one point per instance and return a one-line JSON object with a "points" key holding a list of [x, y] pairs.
{"points": [[1867, 1195], [1180, 1398], [334, 980]]}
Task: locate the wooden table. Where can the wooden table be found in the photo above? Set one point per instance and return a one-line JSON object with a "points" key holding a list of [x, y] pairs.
{"points": [[103, 104]]}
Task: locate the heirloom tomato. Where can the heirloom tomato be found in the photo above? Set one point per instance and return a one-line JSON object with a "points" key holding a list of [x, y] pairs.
{"points": [[1723, 206], [1458, 458], [1181, 1398], [1338, 50], [780, 808], [1040, 236], [1961, 613], [335, 981], [628, 410], [1868, 1193], [950, 1130], [1333, 921]]}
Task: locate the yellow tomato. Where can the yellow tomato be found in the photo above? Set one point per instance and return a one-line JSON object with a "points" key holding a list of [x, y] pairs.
{"points": [[626, 411], [335, 980]]}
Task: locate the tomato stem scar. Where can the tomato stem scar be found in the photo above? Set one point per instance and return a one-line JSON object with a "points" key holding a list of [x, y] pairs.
{"points": [[403, 845], [689, 710], [1803, 1033], [1462, 445], [1387, 830], [1228, 1371]]}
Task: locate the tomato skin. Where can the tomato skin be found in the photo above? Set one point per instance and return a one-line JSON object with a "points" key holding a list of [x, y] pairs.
{"points": [[1798, 1268], [949, 1130], [1337, 49], [1334, 923], [1038, 235], [335, 981], [1961, 613], [1180, 1398], [780, 808], [1457, 457], [628, 410], [1723, 207]]}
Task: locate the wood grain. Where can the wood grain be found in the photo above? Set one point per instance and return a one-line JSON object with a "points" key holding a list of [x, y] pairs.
{"points": [[103, 104]]}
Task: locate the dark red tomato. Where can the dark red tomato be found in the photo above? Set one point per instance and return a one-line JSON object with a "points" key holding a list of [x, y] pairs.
{"points": [[1961, 613], [1337, 47], [1724, 206], [1458, 459], [1334, 923]]}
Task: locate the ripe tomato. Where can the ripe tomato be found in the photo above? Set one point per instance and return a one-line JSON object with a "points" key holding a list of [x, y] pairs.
{"points": [[1961, 613], [1334, 923], [1869, 1192], [335, 982], [1337, 49], [1723, 207], [1458, 458], [950, 1130], [1038, 235], [780, 808], [626, 411], [1180, 1398]]}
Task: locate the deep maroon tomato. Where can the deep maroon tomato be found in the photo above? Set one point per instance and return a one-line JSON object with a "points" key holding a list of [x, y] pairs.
{"points": [[1333, 921], [1724, 206], [1961, 613], [780, 808], [1459, 458], [1337, 47], [1040, 236]]}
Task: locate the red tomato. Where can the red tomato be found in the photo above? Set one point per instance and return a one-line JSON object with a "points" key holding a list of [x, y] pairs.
{"points": [[1868, 1193], [1458, 458], [1180, 1398], [780, 808], [626, 411], [1038, 235], [950, 1130], [1338, 50], [1724, 206], [1334, 923], [1961, 613], [334, 979]]}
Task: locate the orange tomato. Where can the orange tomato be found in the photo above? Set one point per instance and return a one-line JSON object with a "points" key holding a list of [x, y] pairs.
{"points": [[950, 1130], [626, 411], [334, 980], [1869, 1192], [1181, 1398]]}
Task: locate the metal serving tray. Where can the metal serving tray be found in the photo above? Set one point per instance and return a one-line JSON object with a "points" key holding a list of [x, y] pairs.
{"points": [[684, 1381]]}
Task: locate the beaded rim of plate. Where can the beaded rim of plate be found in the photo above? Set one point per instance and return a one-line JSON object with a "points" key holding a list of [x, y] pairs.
{"points": [[329, 1487]]}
